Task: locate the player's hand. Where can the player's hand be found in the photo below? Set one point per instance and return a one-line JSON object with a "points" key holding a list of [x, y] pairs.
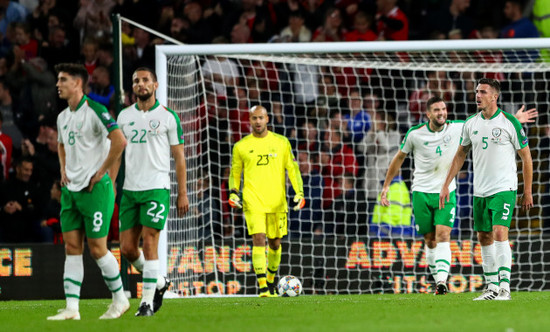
{"points": [[444, 196], [95, 179], [527, 201], [527, 116], [300, 201], [64, 179], [384, 197], [234, 200], [183, 205]]}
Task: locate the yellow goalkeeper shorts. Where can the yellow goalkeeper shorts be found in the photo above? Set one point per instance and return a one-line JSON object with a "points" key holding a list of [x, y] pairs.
{"points": [[273, 225]]}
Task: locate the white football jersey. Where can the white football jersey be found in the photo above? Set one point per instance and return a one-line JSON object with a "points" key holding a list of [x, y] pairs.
{"points": [[433, 154], [494, 143], [149, 134], [83, 133]]}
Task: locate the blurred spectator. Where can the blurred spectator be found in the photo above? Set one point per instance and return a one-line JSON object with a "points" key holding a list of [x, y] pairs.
{"points": [[101, 89], [43, 92], [306, 221], [6, 148], [337, 158], [255, 15], [450, 18], [379, 145], [309, 140], [200, 29], [51, 215], [305, 90], [11, 11], [178, 29], [296, 31], [47, 14], [145, 50], [350, 217], [89, 55], [9, 124], [362, 29], [20, 205], [105, 57], [358, 120], [278, 118], [93, 18], [329, 95], [23, 39], [436, 84], [57, 48], [240, 34], [332, 30], [520, 26], [239, 116], [391, 21]]}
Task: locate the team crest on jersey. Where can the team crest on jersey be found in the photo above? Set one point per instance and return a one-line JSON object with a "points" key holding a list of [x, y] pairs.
{"points": [[154, 124], [447, 139], [522, 133], [496, 132]]}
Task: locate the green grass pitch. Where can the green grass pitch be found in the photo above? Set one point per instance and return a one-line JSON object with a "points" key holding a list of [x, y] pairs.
{"points": [[388, 312]]}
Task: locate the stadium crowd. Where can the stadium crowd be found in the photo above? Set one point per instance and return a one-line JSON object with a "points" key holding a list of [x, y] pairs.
{"points": [[343, 148]]}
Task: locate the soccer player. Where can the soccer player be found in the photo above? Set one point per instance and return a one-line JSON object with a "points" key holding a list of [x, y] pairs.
{"points": [[494, 136], [90, 142], [152, 131], [433, 145], [262, 159]]}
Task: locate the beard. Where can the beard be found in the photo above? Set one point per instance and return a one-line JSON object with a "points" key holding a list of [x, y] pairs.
{"points": [[145, 96]]}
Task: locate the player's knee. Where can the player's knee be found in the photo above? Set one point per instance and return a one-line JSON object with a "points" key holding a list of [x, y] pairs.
{"points": [[129, 251], [258, 240]]}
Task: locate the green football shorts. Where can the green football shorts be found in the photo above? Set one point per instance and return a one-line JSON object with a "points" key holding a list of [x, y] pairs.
{"points": [[427, 213], [89, 210], [497, 209], [148, 208]]}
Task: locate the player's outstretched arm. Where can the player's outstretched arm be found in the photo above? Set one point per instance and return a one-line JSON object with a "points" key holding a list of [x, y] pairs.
{"points": [[526, 116], [393, 170], [118, 143], [527, 168], [456, 165], [181, 176]]}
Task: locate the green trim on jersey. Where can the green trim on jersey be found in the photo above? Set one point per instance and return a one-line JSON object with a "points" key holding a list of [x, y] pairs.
{"points": [[522, 138], [494, 115], [155, 105], [456, 121], [178, 123], [103, 114], [418, 126], [82, 101], [470, 117]]}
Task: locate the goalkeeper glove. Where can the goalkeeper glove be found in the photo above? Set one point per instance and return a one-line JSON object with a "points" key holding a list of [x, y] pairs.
{"points": [[300, 201], [234, 200]]}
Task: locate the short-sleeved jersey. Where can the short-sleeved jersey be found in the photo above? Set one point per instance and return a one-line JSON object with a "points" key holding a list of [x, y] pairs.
{"points": [[149, 133], [83, 133], [264, 161], [433, 154], [494, 143]]}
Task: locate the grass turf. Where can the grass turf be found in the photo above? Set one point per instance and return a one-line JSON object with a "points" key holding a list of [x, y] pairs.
{"points": [[388, 312]]}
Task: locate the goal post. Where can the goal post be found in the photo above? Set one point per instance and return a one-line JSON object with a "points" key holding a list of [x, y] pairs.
{"points": [[341, 243]]}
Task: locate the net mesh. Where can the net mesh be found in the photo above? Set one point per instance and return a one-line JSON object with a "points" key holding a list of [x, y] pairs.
{"points": [[335, 245]]}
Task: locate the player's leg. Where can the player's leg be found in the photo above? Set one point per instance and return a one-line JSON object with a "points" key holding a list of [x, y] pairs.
{"points": [[73, 273], [277, 227], [150, 270], [256, 225], [483, 227], [97, 209], [423, 217], [443, 220], [502, 205]]}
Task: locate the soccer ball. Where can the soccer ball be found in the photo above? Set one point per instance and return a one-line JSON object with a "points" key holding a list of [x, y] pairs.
{"points": [[289, 286]]}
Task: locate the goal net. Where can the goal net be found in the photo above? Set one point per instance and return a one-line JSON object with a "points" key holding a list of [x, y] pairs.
{"points": [[345, 107]]}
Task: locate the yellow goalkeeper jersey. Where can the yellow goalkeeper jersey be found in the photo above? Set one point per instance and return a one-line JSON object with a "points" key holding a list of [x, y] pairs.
{"points": [[264, 161]]}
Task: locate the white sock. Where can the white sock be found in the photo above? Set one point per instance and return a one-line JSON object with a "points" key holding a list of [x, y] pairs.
{"points": [[430, 258], [138, 263], [111, 274], [72, 280], [150, 274], [442, 260], [504, 263], [489, 266]]}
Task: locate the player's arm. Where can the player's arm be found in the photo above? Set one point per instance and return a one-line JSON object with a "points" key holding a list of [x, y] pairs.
{"points": [[393, 170], [61, 155], [235, 179], [527, 168], [526, 116], [295, 179], [118, 143], [181, 176], [456, 165]]}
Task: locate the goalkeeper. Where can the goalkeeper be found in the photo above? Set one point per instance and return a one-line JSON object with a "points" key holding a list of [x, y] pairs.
{"points": [[263, 157]]}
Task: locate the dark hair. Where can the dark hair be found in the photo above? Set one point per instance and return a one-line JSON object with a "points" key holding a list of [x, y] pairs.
{"points": [[495, 84], [23, 159], [74, 69], [148, 70], [433, 100]]}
